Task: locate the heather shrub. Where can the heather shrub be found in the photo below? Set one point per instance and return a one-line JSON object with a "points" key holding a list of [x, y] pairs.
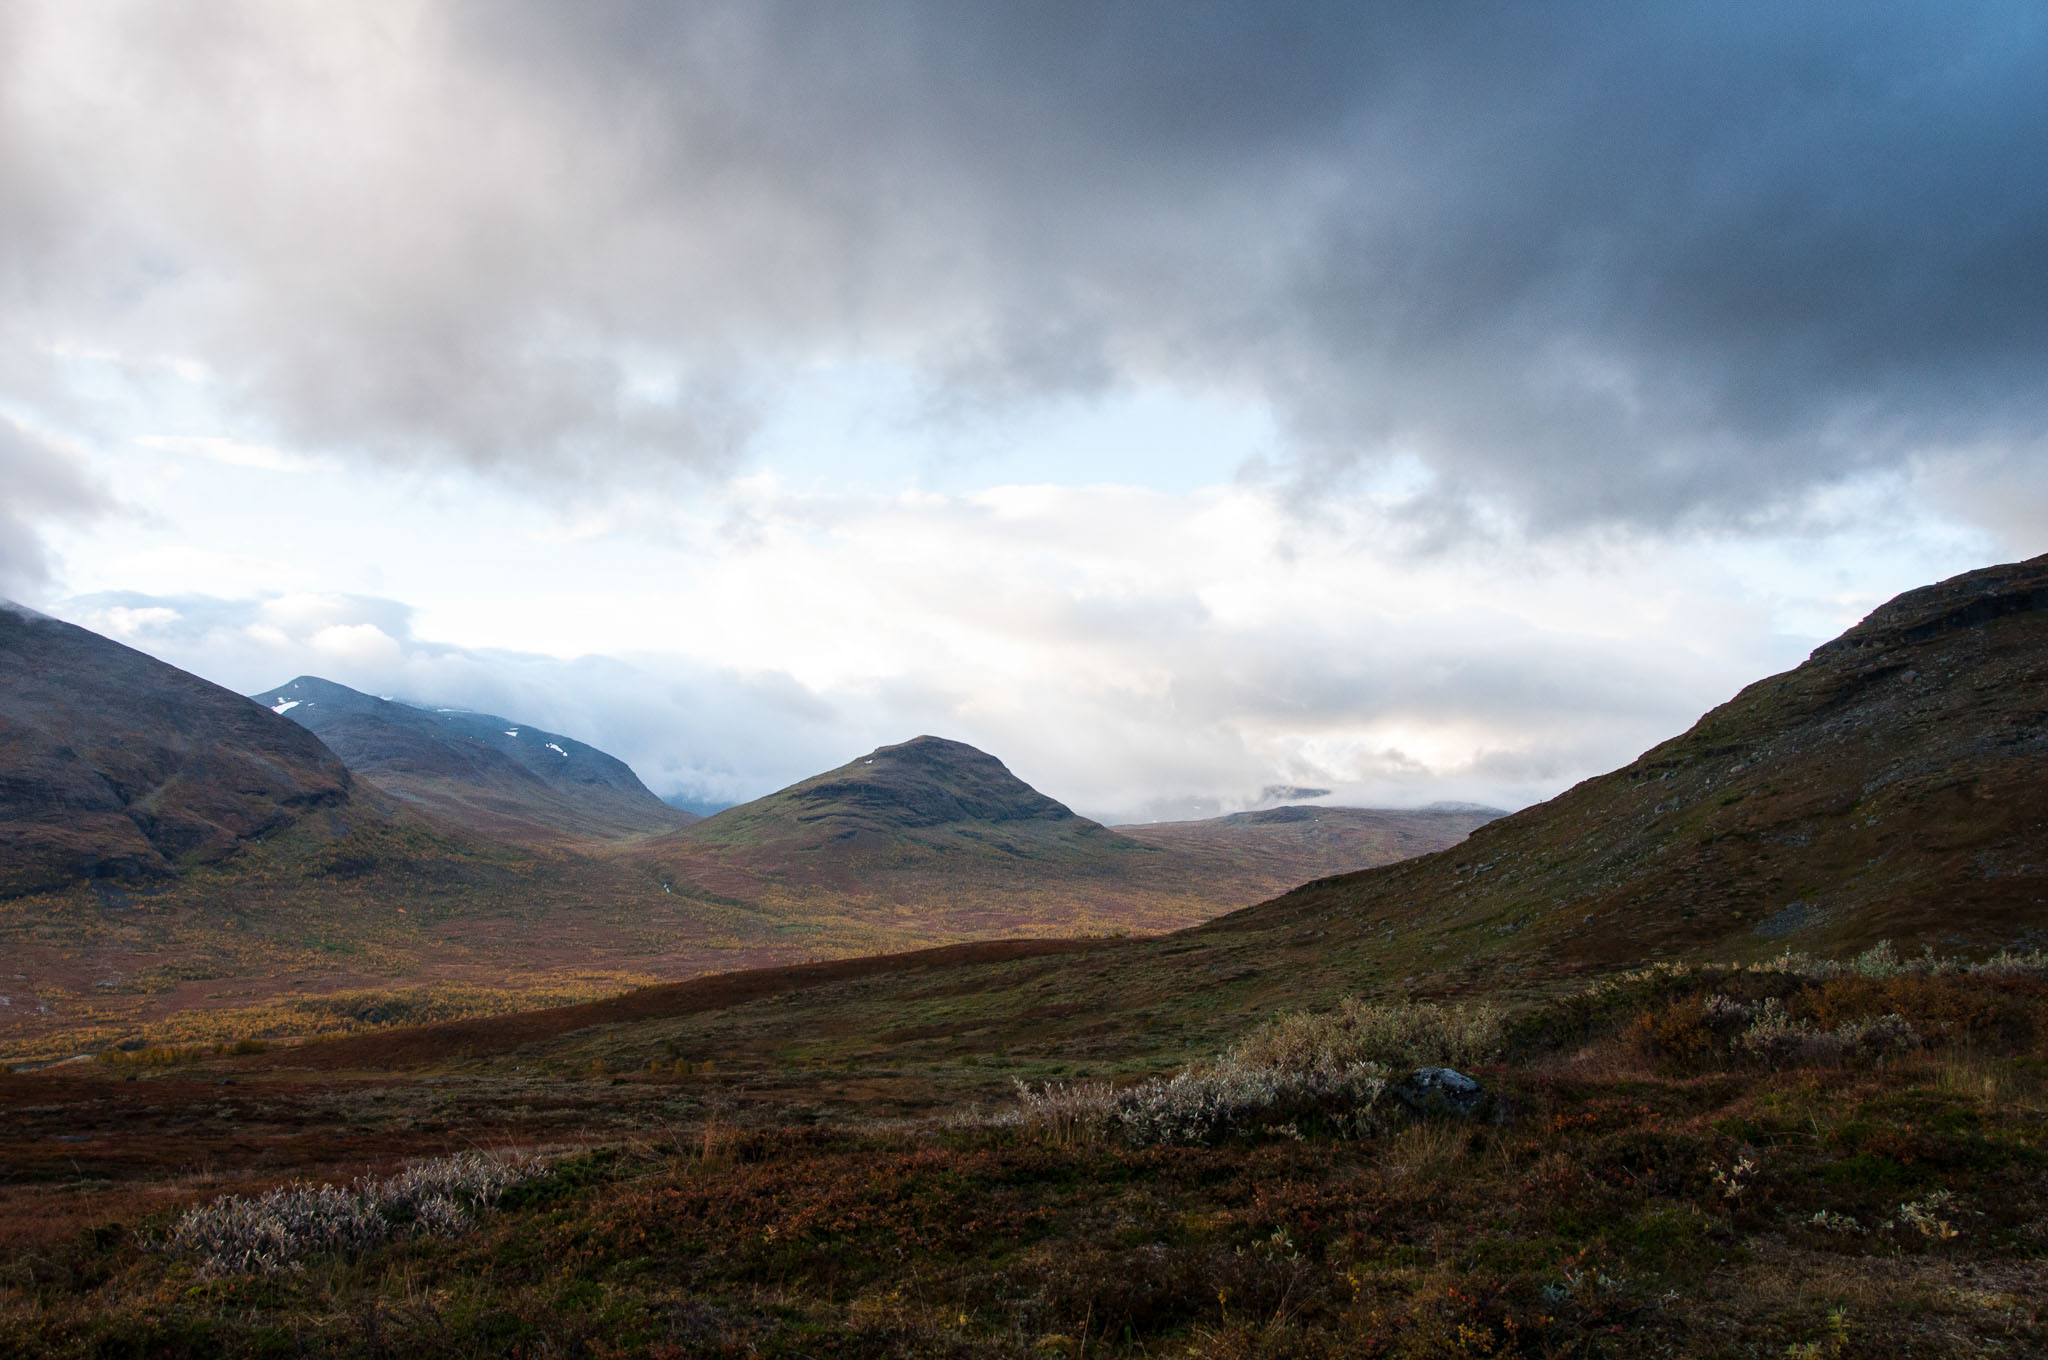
{"points": [[1690, 1033], [249, 1234]]}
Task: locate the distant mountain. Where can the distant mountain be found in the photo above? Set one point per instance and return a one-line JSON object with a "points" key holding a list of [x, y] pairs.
{"points": [[696, 807], [1301, 843], [114, 765], [480, 771], [935, 836], [928, 790]]}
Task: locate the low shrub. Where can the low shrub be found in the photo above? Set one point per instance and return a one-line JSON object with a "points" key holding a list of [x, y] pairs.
{"points": [[247, 1234], [1325, 1072], [1235, 1099], [1393, 1035]]}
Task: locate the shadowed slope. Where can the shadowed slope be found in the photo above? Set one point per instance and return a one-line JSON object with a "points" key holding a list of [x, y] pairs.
{"points": [[115, 765], [477, 770]]}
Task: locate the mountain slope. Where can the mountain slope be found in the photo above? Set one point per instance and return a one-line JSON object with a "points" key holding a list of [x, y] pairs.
{"points": [[115, 765], [1895, 785], [477, 770]]}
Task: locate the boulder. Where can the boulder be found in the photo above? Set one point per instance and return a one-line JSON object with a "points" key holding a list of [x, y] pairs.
{"points": [[1442, 1090]]}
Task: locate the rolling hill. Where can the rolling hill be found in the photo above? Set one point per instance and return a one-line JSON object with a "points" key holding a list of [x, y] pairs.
{"points": [[115, 766], [489, 774]]}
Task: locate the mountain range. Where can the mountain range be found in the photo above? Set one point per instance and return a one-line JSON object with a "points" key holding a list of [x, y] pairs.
{"points": [[171, 846], [1894, 787]]}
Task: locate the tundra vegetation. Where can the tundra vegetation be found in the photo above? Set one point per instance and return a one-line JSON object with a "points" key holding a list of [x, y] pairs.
{"points": [[1792, 1158]]}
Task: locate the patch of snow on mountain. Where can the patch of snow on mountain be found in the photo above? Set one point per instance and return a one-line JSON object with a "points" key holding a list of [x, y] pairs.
{"points": [[284, 705], [511, 731], [558, 750]]}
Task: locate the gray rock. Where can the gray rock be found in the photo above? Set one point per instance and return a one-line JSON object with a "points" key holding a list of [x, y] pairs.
{"points": [[1442, 1090]]}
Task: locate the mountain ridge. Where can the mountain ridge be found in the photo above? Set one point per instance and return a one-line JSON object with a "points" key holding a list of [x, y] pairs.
{"points": [[478, 770]]}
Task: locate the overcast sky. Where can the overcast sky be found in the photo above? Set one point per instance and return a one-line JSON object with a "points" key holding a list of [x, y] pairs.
{"points": [[1181, 401]]}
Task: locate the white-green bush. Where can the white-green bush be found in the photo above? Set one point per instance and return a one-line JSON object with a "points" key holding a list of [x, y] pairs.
{"points": [[249, 1234], [1329, 1069], [1231, 1099]]}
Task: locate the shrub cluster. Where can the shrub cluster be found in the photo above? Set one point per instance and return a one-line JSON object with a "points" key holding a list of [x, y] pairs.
{"points": [[1208, 1103], [1718, 1029], [1774, 1039], [1235, 1099], [1391, 1034], [248, 1234], [1326, 1070]]}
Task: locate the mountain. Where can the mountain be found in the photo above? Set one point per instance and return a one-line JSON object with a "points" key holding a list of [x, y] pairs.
{"points": [[477, 770], [928, 791], [935, 840], [114, 765]]}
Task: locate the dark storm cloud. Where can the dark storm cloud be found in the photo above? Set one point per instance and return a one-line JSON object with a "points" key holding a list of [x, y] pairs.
{"points": [[1590, 262]]}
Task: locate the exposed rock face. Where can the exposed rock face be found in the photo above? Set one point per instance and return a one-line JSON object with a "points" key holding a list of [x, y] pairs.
{"points": [[115, 765], [478, 770]]}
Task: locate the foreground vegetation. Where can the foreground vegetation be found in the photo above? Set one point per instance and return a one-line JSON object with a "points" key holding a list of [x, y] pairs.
{"points": [[1788, 1159]]}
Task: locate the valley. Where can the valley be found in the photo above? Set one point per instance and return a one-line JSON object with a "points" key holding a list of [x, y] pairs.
{"points": [[1759, 1022]]}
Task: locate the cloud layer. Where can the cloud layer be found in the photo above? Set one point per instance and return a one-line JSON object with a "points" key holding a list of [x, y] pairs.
{"points": [[1134, 653], [1591, 263]]}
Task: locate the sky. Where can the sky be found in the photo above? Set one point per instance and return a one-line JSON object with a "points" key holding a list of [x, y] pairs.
{"points": [[1195, 405]]}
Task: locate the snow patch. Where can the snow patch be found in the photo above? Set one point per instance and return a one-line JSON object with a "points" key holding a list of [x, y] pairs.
{"points": [[558, 750], [511, 731], [284, 705]]}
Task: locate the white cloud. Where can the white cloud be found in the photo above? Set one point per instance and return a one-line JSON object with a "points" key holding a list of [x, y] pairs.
{"points": [[358, 645], [234, 453], [1129, 651]]}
